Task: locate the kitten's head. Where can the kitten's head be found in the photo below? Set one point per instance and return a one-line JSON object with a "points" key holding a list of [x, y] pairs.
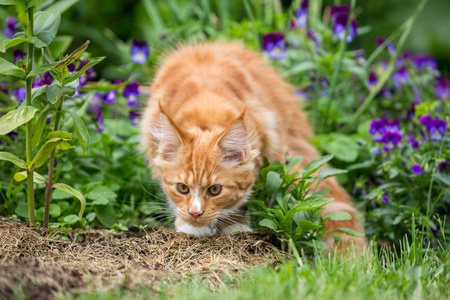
{"points": [[205, 174]]}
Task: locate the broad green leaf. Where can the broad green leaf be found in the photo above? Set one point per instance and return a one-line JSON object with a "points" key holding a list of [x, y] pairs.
{"points": [[445, 179], [44, 152], [5, 44], [273, 182], [293, 161], [61, 6], [15, 118], [37, 94], [306, 225], [64, 146], [14, 159], [46, 25], [90, 216], [55, 91], [55, 210], [350, 232], [58, 195], [37, 178], [325, 173], [74, 55], [269, 224], [313, 204], [100, 202], [101, 192], [59, 134], [13, 2], [40, 127], [22, 209], [42, 69], [81, 130], [10, 69], [36, 42], [76, 75], [106, 215], [32, 3], [339, 216], [313, 166], [72, 219], [300, 68], [65, 188]]}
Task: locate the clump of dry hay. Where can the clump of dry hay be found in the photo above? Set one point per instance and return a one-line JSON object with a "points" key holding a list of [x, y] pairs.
{"points": [[105, 259]]}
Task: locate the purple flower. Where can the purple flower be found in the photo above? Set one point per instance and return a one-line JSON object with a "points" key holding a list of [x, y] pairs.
{"points": [[415, 144], [377, 129], [417, 169], [425, 119], [386, 197], [411, 113], [301, 15], [338, 9], [436, 128], [425, 62], [19, 55], [387, 92], [400, 77], [21, 94], [443, 166], [131, 92], [139, 52], [391, 139], [110, 96], [10, 28], [45, 79], [373, 80], [273, 44], [339, 28], [393, 125], [312, 36], [134, 117], [390, 47], [442, 88], [100, 121]]}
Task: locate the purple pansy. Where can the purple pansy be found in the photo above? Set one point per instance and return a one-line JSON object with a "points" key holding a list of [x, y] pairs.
{"points": [[415, 144], [19, 55], [443, 166], [393, 125], [139, 52], [391, 139], [131, 92], [10, 28], [338, 9], [425, 62], [110, 96], [373, 80], [301, 15], [386, 197], [400, 77], [134, 117], [417, 169], [339, 28], [377, 129], [44, 79], [21, 94], [274, 45], [436, 128], [425, 119], [442, 88], [390, 47]]}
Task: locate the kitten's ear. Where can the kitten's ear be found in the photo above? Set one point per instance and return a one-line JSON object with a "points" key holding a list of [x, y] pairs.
{"points": [[234, 143]]}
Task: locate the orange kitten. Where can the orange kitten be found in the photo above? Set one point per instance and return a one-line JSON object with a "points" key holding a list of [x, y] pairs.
{"points": [[215, 111]]}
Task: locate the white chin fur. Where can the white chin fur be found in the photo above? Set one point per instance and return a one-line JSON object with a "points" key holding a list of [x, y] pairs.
{"points": [[197, 231]]}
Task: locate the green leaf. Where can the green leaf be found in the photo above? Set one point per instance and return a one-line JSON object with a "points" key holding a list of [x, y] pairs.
{"points": [[9, 69], [90, 216], [81, 130], [343, 147], [339, 216], [61, 6], [16, 117], [44, 152], [325, 173], [101, 192], [42, 69], [350, 232], [273, 182], [76, 75], [37, 94], [59, 134], [14, 159], [46, 25], [269, 224], [13, 2], [65, 188], [300, 68], [74, 55], [5, 44], [40, 127], [316, 164], [32, 3], [106, 215], [55, 210], [306, 225], [100, 202], [313, 204], [293, 161], [64, 146], [37, 178], [22, 209], [55, 91], [72, 219], [445, 179], [58, 195]]}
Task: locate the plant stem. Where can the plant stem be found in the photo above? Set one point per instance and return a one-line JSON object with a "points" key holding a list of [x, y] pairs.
{"points": [[48, 190], [29, 134]]}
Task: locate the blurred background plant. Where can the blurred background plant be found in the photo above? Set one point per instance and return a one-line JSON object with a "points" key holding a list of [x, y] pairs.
{"points": [[378, 108]]}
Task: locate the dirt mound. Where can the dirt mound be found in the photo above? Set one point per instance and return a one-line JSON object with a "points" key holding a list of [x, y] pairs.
{"points": [[47, 267]]}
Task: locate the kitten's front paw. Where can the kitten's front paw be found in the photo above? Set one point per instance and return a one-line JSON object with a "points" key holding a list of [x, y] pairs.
{"points": [[236, 228], [197, 231]]}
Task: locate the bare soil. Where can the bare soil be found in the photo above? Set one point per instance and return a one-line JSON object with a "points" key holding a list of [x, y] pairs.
{"points": [[42, 267]]}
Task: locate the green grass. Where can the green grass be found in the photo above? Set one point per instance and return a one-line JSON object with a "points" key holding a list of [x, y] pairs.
{"points": [[413, 273]]}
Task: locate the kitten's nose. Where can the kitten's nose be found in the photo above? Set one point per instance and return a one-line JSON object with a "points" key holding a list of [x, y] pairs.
{"points": [[196, 214]]}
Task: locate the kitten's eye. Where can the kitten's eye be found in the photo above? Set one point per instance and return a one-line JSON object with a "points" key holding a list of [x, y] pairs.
{"points": [[214, 190], [182, 188]]}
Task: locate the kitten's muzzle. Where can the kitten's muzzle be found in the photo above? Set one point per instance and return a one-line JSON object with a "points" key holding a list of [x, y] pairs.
{"points": [[196, 214]]}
